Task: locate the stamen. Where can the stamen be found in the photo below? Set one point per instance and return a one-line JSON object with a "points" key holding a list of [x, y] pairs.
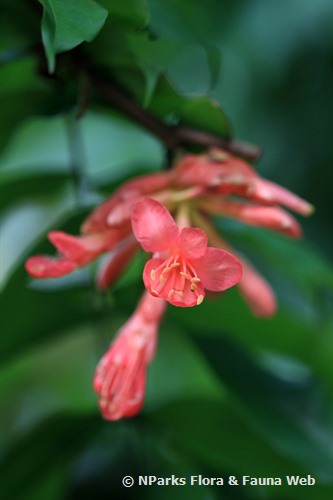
{"points": [[171, 292], [166, 270], [175, 264], [195, 280], [162, 280], [180, 293], [200, 299], [154, 292], [185, 275], [153, 274]]}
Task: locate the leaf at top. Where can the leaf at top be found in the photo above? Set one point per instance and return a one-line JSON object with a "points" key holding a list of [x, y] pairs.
{"points": [[200, 112], [67, 23], [134, 13]]}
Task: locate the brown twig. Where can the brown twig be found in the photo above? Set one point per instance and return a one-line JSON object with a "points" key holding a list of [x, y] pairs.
{"points": [[173, 137]]}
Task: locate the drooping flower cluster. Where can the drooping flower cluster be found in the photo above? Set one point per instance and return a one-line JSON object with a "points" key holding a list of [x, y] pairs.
{"points": [[182, 266], [120, 377]]}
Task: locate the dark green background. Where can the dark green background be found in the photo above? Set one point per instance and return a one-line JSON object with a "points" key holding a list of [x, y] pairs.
{"points": [[228, 394]]}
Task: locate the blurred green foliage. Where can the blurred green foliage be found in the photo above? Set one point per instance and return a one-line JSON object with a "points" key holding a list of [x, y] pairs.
{"points": [[228, 393]]}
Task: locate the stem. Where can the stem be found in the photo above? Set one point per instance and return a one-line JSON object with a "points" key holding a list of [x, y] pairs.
{"points": [[213, 236], [173, 137], [183, 218]]}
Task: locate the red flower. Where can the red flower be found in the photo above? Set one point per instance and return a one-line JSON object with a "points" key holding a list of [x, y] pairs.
{"points": [[100, 234], [207, 184], [183, 266], [232, 188], [120, 377]]}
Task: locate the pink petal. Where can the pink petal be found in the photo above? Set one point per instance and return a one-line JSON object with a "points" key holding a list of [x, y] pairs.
{"points": [[115, 263], [193, 242], [257, 292], [75, 248], [84, 249], [149, 183], [264, 190], [218, 269], [42, 266], [153, 226], [97, 220], [121, 212], [128, 193], [151, 283], [210, 170], [256, 215], [170, 289], [151, 309], [120, 379], [189, 299], [120, 376]]}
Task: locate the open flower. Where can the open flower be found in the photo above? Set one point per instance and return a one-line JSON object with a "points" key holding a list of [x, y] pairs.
{"points": [[231, 188], [213, 183], [120, 377], [107, 230], [183, 266]]}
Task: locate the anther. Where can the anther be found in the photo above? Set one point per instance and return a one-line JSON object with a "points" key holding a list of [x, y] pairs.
{"points": [[153, 274], [166, 270], [200, 299], [162, 280], [193, 287], [175, 264], [180, 293], [154, 292], [171, 292], [185, 275], [195, 280]]}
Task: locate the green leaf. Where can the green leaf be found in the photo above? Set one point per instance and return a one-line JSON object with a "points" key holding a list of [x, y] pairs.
{"points": [[190, 375], [201, 112], [134, 13], [19, 187], [212, 433], [38, 464], [67, 23], [291, 415], [22, 95], [39, 309], [47, 389]]}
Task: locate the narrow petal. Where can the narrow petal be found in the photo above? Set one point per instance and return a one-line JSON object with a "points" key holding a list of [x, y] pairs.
{"points": [[264, 190], [75, 248], [256, 215], [120, 379], [193, 242], [218, 269], [120, 376], [151, 279], [210, 170], [121, 212], [129, 193], [151, 309], [257, 292], [115, 263], [153, 226], [42, 266], [84, 249]]}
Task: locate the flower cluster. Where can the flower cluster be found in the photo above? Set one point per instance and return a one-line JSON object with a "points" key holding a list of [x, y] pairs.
{"points": [[168, 215]]}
